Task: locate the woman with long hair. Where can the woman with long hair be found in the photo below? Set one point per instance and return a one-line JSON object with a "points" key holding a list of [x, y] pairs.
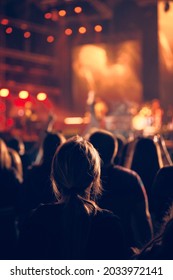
{"points": [[74, 227]]}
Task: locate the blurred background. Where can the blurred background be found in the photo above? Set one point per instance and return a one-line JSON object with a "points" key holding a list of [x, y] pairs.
{"points": [[71, 65]]}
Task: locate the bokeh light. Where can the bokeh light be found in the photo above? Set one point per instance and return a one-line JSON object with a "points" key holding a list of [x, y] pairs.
{"points": [[68, 31], [4, 92], [41, 96], [50, 39], [82, 30], [27, 34], [77, 10], [62, 13], [4, 21], [47, 15], [98, 28], [9, 30], [23, 94]]}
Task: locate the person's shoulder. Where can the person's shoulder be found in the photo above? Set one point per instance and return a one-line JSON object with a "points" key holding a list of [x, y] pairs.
{"points": [[166, 170], [104, 214], [128, 175], [45, 212], [124, 171]]}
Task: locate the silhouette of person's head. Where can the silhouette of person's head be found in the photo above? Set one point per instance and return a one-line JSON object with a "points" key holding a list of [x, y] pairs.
{"points": [[75, 169], [105, 144], [50, 144]]}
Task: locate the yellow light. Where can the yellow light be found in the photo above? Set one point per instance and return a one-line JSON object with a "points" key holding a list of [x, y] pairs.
{"points": [[62, 13], [4, 92], [41, 96], [73, 120], [98, 28], [9, 30], [139, 122], [50, 39], [68, 31], [82, 30], [78, 10], [23, 94]]}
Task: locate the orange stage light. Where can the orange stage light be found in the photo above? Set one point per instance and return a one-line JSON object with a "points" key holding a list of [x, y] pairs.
{"points": [[77, 10], [62, 13], [82, 30], [47, 15], [98, 28]]}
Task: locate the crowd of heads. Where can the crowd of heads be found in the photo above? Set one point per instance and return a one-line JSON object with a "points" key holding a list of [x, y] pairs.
{"points": [[87, 174]]}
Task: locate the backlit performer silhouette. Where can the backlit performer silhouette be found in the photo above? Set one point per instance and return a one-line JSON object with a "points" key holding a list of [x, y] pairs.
{"points": [[96, 110]]}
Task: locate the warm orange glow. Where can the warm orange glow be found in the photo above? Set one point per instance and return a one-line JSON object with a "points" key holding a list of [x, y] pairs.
{"points": [[82, 30], [27, 34], [23, 26], [23, 94], [106, 75], [4, 21], [28, 112], [98, 28], [47, 15], [50, 39], [62, 13], [78, 10], [68, 31], [73, 120], [4, 92], [139, 122], [41, 96], [9, 30]]}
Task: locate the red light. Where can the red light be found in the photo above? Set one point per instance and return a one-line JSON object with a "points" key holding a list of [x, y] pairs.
{"points": [[47, 15], [27, 34], [50, 39], [4, 21], [9, 30], [68, 31]]}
